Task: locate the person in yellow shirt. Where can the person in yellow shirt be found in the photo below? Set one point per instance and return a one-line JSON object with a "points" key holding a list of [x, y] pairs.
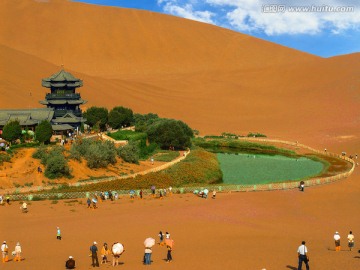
{"points": [[105, 251], [350, 240]]}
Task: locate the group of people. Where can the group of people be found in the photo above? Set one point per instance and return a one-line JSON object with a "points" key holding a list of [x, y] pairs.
{"points": [[350, 239], [4, 199], [303, 251], [5, 252]]}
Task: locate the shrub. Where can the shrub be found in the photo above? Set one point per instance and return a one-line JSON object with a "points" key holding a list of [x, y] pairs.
{"points": [[129, 152], [142, 121], [56, 166], [100, 154], [4, 157]]}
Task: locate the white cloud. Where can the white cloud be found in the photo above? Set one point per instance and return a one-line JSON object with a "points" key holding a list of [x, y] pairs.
{"points": [[186, 10], [273, 17]]}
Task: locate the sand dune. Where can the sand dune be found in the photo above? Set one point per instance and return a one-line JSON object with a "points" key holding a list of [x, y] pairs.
{"points": [[214, 79]]}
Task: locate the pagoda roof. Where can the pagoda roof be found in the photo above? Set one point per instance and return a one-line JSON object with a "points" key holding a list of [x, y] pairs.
{"points": [[69, 118], [26, 117], [62, 127], [62, 101], [61, 79]]}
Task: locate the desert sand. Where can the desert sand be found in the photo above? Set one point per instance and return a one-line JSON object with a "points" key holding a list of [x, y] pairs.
{"points": [[214, 79]]}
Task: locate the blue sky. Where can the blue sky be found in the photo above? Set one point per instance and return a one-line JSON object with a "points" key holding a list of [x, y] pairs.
{"points": [[321, 27]]}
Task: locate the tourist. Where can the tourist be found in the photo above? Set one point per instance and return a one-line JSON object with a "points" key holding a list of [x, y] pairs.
{"points": [[337, 241], [88, 201], [350, 240], [141, 194], [94, 202], [302, 186], [58, 233], [167, 235], [168, 256], [153, 190], [104, 253], [214, 194], [161, 237], [152, 160], [170, 190], [303, 256], [94, 256], [147, 256], [70, 263], [4, 252], [17, 252], [24, 207], [8, 199]]}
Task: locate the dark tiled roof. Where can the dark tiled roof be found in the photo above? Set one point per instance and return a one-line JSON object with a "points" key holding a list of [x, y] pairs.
{"points": [[61, 79], [26, 117]]}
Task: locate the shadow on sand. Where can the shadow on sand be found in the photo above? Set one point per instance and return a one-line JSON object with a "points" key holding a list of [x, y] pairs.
{"points": [[291, 267]]}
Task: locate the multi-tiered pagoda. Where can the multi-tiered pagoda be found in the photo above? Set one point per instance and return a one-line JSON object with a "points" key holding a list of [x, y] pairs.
{"points": [[64, 100]]}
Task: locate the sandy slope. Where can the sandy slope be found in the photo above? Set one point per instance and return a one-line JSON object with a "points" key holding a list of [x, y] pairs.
{"points": [[215, 80]]}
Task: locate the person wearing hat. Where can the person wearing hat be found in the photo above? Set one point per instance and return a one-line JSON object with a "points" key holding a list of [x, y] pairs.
{"points": [[17, 252], [70, 263], [94, 256], [58, 233], [337, 241], [104, 253], [303, 256], [4, 251]]}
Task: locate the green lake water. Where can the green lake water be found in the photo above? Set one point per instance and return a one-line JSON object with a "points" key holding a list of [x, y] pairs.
{"points": [[250, 169]]}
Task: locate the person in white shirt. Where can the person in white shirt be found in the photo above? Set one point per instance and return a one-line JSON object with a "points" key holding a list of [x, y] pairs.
{"points": [[303, 256], [17, 252], [4, 251], [350, 240], [337, 241]]}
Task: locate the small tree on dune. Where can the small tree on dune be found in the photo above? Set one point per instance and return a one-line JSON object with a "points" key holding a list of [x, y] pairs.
{"points": [[43, 132]]}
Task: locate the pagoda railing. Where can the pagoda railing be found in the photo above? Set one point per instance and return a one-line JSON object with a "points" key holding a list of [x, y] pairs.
{"points": [[62, 96]]}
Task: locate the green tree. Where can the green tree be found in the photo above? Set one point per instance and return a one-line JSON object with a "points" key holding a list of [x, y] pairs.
{"points": [[170, 133], [120, 116], [144, 120], [97, 115], [43, 132], [56, 167], [12, 131]]}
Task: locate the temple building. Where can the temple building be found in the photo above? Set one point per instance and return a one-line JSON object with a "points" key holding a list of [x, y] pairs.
{"points": [[62, 106]]}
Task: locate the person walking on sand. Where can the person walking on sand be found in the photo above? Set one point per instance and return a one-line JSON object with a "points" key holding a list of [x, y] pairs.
{"points": [[70, 263], [161, 237], [147, 256], [337, 241], [58, 233], [4, 252], [303, 256], [94, 255], [214, 194], [17, 252], [350, 240], [104, 253], [141, 194], [88, 201], [168, 256]]}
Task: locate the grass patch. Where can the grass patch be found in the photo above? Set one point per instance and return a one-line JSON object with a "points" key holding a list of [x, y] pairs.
{"points": [[166, 156], [128, 135]]}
